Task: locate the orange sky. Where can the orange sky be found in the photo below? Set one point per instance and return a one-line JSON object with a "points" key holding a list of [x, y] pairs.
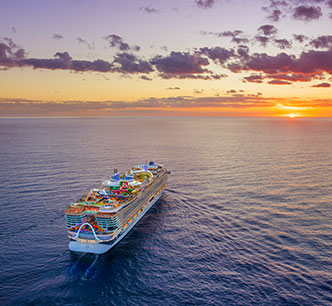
{"points": [[171, 59]]}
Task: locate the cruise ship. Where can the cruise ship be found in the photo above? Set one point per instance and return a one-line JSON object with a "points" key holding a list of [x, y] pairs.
{"points": [[102, 217]]}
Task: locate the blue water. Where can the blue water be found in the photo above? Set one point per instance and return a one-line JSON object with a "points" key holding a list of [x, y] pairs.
{"points": [[246, 218]]}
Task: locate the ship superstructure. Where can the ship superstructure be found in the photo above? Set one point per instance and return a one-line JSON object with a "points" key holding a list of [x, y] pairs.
{"points": [[102, 217]]}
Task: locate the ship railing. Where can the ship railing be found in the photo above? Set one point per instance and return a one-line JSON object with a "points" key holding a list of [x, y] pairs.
{"points": [[93, 231]]}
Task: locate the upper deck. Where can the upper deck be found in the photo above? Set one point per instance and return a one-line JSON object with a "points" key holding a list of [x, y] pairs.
{"points": [[117, 192]]}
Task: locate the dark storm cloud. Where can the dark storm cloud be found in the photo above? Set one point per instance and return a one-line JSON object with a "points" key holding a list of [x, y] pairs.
{"points": [[205, 4], [180, 63], [129, 63], [268, 29], [307, 13], [322, 85], [116, 41]]}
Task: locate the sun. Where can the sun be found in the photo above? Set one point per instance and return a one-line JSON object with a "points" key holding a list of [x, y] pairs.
{"points": [[292, 116]]}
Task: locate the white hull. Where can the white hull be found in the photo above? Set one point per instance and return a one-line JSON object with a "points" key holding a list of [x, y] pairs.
{"points": [[101, 248]]}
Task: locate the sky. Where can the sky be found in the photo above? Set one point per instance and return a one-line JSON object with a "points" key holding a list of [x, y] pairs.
{"points": [[213, 58]]}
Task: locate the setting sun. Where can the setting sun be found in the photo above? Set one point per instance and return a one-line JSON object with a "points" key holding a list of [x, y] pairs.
{"points": [[291, 115]]}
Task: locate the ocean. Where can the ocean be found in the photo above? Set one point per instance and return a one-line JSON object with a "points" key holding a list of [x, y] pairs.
{"points": [[246, 218]]}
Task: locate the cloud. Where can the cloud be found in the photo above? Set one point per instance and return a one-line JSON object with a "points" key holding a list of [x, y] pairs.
{"points": [[324, 41], [243, 51], [300, 37], [129, 63], [64, 61], [306, 10], [10, 43], [10, 53], [198, 91], [283, 43], [205, 4], [311, 63], [149, 10], [254, 78], [234, 34], [268, 29], [275, 9], [84, 42], [57, 36], [275, 15], [116, 41], [293, 77], [227, 33], [180, 63], [263, 40], [14, 107], [322, 85], [145, 78], [205, 77], [22, 107], [279, 82], [13, 56], [307, 13], [217, 54], [173, 88]]}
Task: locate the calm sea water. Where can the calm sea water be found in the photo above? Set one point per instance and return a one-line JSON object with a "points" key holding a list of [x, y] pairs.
{"points": [[246, 218]]}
